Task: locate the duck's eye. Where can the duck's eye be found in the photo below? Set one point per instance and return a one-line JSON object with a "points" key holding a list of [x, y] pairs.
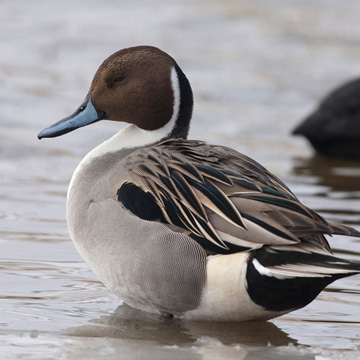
{"points": [[119, 79]]}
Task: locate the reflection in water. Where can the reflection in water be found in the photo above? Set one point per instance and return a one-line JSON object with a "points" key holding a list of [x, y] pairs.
{"points": [[337, 174], [194, 340], [334, 187], [130, 323], [331, 187], [109, 349]]}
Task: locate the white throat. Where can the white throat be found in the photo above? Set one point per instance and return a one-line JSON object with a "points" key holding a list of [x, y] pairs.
{"points": [[133, 136]]}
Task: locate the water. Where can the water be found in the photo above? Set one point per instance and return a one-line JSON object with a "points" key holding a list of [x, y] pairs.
{"points": [[257, 68]]}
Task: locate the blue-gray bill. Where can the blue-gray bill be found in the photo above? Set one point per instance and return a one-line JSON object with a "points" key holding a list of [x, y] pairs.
{"points": [[86, 114]]}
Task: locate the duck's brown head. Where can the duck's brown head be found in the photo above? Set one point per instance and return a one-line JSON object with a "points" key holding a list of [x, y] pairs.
{"points": [[139, 85]]}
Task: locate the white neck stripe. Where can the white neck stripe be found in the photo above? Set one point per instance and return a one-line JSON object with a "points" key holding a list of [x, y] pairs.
{"points": [[175, 84]]}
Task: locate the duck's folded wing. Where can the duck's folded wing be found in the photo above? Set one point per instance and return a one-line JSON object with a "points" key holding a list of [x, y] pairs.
{"points": [[221, 198]]}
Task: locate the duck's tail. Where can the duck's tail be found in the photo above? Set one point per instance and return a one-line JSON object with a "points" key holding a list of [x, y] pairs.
{"points": [[291, 277], [302, 260]]}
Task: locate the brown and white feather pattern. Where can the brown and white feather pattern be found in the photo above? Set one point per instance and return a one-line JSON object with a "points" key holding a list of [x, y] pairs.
{"points": [[223, 199]]}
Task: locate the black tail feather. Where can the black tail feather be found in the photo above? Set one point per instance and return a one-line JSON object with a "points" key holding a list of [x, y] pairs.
{"points": [[282, 280]]}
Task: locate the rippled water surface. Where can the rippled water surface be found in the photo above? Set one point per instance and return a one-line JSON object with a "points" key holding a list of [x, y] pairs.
{"points": [[257, 68]]}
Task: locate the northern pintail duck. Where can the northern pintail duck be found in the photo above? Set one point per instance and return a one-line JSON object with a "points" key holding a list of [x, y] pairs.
{"points": [[181, 227], [333, 129]]}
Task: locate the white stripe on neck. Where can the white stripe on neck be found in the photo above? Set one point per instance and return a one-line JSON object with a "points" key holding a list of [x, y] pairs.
{"points": [[133, 136]]}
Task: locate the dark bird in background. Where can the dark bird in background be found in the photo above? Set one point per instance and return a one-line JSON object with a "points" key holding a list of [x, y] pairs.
{"points": [[333, 129]]}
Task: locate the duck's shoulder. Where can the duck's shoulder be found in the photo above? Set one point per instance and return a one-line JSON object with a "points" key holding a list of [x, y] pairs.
{"points": [[198, 157]]}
